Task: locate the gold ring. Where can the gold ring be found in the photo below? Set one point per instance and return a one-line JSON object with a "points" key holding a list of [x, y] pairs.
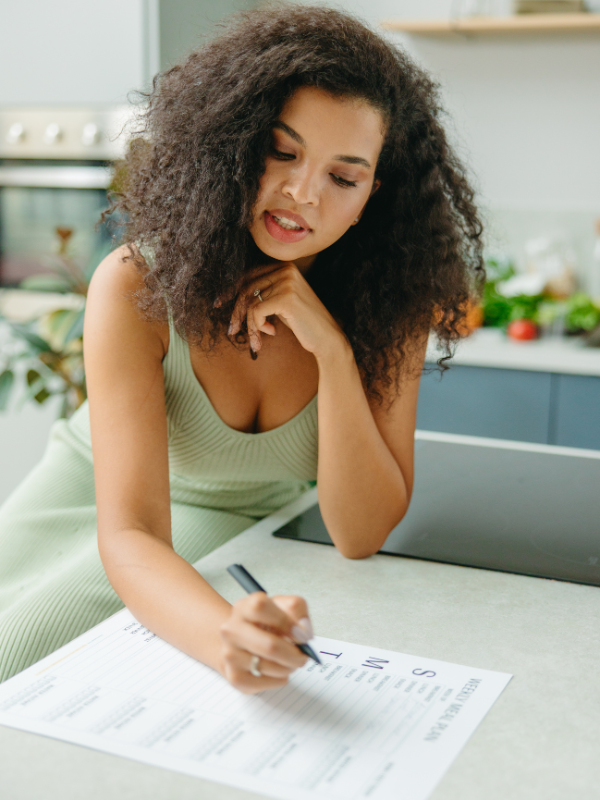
{"points": [[254, 670]]}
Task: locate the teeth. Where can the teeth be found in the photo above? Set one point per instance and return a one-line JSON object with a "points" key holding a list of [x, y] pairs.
{"points": [[287, 223]]}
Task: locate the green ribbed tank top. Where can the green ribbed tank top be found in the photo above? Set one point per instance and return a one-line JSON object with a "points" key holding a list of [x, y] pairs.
{"points": [[214, 465], [203, 448]]}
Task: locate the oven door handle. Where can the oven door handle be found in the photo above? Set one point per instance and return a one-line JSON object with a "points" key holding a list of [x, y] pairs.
{"points": [[63, 177]]}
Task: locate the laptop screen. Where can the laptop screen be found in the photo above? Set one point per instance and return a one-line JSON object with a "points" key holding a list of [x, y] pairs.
{"points": [[510, 506]]}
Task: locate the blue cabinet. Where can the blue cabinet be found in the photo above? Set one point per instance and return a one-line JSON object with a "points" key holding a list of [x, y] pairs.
{"points": [[522, 405], [576, 400]]}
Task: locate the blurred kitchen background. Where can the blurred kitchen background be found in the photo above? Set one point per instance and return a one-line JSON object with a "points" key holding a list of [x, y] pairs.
{"points": [[521, 82]]}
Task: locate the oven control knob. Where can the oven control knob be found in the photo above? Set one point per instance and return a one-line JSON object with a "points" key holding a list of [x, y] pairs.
{"points": [[53, 133], [90, 134], [16, 133]]}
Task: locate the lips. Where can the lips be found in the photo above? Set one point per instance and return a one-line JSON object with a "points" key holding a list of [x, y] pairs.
{"points": [[282, 212], [282, 234]]}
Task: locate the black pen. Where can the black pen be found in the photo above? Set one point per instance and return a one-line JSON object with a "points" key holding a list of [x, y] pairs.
{"points": [[247, 582]]}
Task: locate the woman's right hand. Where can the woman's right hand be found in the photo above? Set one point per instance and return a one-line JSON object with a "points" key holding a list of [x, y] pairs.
{"points": [[264, 627]]}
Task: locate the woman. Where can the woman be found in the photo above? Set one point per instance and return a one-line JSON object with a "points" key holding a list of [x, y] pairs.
{"points": [[300, 225]]}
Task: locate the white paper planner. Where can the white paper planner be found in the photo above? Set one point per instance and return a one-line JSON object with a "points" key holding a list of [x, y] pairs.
{"points": [[369, 723]]}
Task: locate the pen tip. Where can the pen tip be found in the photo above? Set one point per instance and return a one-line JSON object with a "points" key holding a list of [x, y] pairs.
{"points": [[308, 651]]}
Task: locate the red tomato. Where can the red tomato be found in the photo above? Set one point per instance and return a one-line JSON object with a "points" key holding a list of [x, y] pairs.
{"points": [[522, 330]]}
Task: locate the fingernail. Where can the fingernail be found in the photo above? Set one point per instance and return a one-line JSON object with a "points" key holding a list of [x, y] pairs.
{"points": [[303, 631], [299, 635], [230, 329]]}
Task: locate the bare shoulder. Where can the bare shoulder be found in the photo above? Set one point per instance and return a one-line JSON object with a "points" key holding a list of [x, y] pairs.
{"points": [[112, 300], [117, 274]]}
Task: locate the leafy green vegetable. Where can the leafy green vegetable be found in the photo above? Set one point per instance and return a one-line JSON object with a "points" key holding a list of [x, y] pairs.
{"points": [[579, 311], [525, 306], [582, 314], [499, 310], [496, 308]]}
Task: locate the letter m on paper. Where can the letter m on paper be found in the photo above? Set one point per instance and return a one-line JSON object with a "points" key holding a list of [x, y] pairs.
{"points": [[375, 663]]}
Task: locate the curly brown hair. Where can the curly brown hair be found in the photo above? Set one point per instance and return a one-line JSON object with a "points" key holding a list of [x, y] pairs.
{"points": [[192, 178]]}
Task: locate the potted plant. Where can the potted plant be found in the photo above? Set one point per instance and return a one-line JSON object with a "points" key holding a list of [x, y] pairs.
{"points": [[47, 352]]}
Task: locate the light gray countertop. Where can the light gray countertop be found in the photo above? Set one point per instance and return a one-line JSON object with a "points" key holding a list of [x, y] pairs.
{"points": [[490, 347], [540, 740]]}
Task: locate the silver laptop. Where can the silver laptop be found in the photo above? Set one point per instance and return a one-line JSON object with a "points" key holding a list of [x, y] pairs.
{"points": [[511, 506]]}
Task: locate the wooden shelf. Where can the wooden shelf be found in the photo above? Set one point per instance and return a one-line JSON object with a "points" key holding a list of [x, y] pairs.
{"points": [[521, 23]]}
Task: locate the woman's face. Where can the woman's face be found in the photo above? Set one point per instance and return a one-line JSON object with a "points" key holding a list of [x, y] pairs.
{"points": [[318, 176]]}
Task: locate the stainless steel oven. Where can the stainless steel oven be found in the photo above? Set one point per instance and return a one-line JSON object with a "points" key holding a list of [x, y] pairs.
{"points": [[55, 168]]}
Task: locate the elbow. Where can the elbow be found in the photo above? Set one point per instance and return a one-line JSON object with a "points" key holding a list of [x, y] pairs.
{"points": [[356, 553], [366, 543], [361, 547]]}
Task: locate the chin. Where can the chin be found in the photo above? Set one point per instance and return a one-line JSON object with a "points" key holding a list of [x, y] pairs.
{"points": [[282, 252]]}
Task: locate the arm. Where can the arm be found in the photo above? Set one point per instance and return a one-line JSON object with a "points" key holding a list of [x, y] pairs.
{"points": [[123, 355], [366, 454], [365, 471]]}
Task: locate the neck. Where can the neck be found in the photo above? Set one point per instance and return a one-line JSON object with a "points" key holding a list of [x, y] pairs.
{"points": [[304, 264]]}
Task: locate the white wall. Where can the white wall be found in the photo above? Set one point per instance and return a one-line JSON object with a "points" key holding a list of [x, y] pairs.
{"points": [[526, 113], [69, 52]]}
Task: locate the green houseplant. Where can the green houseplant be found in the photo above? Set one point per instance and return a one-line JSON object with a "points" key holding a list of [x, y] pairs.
{"points": [[46, 353]]}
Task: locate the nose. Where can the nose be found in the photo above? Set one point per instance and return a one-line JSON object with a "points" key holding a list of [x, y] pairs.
{"points": [[301, 186]]}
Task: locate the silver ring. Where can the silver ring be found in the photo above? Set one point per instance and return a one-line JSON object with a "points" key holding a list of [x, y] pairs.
{"points": [[257, 294], [254, 670]]}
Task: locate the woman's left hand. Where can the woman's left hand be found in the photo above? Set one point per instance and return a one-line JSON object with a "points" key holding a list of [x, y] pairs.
{"points": [[286, 294]]}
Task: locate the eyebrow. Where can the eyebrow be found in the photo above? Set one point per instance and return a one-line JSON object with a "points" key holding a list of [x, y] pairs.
{"points": [[297, 138]]}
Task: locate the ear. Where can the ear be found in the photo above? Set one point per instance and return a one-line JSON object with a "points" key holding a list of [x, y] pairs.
{"points": [[376, 185]]}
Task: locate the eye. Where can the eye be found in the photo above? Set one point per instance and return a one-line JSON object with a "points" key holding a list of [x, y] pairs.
{"points": [[282, 156], [342, 181]]}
